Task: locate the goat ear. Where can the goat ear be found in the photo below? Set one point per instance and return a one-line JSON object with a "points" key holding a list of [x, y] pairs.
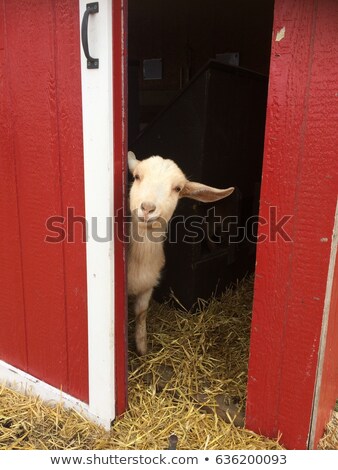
{"points": [[132, 161], [204, 193]]}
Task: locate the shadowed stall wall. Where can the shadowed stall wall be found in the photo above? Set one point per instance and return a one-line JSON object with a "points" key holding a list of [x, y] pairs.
{"points": [[186, 34]]}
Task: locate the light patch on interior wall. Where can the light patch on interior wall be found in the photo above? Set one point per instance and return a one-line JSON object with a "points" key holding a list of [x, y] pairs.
{"points": [[280, 34]]}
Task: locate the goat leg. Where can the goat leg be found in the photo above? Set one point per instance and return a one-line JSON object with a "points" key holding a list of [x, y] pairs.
{"points": [[141, 307]]}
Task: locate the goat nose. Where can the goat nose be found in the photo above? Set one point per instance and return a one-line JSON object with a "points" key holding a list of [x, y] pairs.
{"points": [[148, 207]]}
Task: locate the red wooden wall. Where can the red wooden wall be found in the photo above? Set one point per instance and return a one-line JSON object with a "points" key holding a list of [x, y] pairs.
{"points": [[120, 9], [300, 178], [43, 311]]}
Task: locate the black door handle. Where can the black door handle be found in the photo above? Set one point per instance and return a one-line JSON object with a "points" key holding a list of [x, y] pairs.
{"points": [[91, 8]]}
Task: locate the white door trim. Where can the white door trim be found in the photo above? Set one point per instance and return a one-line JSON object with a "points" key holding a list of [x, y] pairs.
{"points": [[25, 383], [97, 102], [323, 336]]}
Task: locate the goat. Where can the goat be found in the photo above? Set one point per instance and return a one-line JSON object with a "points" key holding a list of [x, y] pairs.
{"points": [[158, 185]]}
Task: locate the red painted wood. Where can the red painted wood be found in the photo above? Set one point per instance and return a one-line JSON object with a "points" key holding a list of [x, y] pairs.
{"points": [[120, 153], [329, 384], [44, 128], [36, 158], [12, 331], [69, 119], [300, 177]]}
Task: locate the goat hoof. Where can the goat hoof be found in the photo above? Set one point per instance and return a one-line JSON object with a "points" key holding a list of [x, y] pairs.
{"points": [[141, 350]]}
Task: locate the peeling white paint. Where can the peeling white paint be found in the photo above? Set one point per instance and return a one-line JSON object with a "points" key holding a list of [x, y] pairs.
{"points": [[280, 34], [324, 240]]}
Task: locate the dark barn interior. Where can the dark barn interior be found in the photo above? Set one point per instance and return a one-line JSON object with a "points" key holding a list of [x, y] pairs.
{"points": [[197, 86]]}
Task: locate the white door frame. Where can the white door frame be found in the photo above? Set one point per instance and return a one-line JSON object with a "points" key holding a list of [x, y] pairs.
{"points": [[97, 102]]}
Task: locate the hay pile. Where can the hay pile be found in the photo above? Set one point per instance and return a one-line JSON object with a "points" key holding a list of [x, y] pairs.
{"points": [[191, 384], [330, 439]]}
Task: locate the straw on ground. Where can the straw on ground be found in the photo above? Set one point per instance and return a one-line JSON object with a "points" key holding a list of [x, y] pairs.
{"points": [[191, 384]]}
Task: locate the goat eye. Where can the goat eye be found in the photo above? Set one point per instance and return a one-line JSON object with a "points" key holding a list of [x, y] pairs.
{"points": [[136, 177], [178, 189]]}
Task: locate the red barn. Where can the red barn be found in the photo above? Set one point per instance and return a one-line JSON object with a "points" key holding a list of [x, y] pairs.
{"points": [[63, 141]]}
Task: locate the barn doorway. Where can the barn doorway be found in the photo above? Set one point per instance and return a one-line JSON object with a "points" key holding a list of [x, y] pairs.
{"points": [[198, 78], [197, 91]]}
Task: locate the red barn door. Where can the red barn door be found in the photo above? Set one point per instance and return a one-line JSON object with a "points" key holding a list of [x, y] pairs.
{"points": [[300, 178], [43, 285], [63, 146]]}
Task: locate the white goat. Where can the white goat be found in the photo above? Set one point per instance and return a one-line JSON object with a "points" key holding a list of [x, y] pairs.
{"points": [[158, 185]]}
